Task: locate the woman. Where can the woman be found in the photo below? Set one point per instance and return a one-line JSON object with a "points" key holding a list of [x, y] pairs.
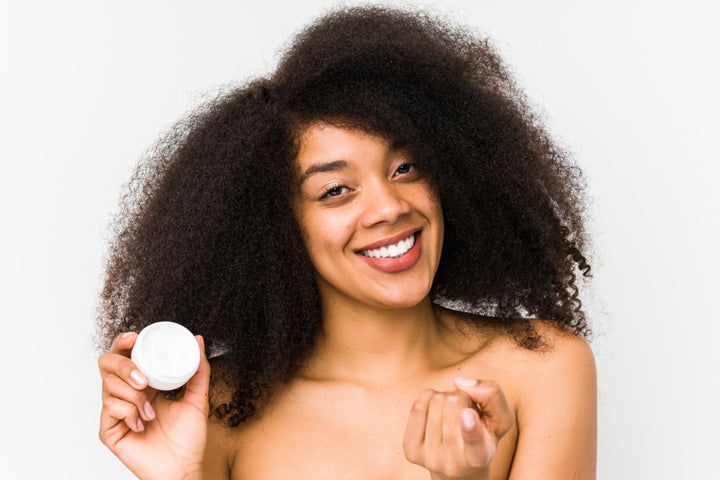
{"points": [[366, 240]]}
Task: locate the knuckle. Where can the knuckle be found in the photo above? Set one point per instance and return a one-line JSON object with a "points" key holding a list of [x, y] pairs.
{"points": [[138, 397], [465, 398], [418, 407], [435, 464], [108, 403], [454, 469], [452, 401], [433, 458], [413, 455], [111, 383], [426, 394], [437, 400], [115, 363], [492, 386], [109, 380], [103, 361], [457, 399], [125, 370], [125, 364]]}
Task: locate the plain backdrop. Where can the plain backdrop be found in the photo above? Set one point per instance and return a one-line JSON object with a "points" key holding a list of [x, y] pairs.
{"points": [[631, 87]]}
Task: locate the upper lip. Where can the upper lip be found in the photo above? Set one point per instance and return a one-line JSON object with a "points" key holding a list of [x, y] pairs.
{"points": [[389, 240]]}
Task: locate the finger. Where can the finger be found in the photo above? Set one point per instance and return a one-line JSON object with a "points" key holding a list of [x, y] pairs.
{"points": [[115, 410], [123, 343], [496, 412], [432, 445], [196, 391], [415, 429], [123, 367], [452, 436], [113, 386], [474, 437]]}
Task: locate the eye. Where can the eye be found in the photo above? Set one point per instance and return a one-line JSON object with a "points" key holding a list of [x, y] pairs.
{"points": [[334, 191], [405, 169]]}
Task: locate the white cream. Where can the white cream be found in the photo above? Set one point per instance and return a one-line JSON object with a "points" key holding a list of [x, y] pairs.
{"points": [[167, 353]]}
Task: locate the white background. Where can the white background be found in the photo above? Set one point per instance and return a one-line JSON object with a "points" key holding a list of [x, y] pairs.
{"points": [[631, 87]]}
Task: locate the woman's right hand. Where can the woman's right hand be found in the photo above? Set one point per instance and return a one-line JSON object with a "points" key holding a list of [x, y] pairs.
{"points": [[154, 437]]}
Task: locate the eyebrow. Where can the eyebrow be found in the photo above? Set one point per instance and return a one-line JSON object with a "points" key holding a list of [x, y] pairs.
{"points": [[324, 167], [342, 164]]}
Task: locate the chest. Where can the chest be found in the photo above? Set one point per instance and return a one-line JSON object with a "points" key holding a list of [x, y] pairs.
{"points": [[334, 430], [328, 434], [321, 432]]}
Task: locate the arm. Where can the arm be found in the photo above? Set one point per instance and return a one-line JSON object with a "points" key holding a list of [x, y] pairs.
{"points": [[557, 414]]}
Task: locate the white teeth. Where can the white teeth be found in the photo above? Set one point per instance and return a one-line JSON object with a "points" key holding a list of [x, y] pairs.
{"points": [[397, 250]]}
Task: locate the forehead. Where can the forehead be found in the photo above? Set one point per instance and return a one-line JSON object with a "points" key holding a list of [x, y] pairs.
{"points": [[327, 143]]}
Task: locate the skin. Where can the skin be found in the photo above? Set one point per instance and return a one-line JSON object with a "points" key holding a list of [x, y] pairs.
{"points": [[396, 387]]}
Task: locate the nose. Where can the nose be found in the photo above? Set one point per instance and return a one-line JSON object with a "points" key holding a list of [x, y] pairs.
{"points": [[383, 203]]}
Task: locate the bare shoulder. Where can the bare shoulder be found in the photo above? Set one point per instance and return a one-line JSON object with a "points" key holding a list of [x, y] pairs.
{"points": [[563, 358], [552, 390], [560, 357], [556, 408], [558, 377], [561, 366]]}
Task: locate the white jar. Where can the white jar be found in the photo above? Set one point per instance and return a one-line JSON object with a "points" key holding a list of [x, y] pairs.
{"points": [[167, 353]]}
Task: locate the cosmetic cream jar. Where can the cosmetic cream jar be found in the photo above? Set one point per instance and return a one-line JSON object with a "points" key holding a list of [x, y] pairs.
{"points": [[167, 354]]}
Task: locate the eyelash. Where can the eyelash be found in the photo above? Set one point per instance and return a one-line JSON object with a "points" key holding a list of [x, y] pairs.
{"points": [[336, 188], [407, 164], [328, 192]]}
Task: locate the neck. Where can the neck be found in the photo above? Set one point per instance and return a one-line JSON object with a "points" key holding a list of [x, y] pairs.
{"points": [[375, 346]]}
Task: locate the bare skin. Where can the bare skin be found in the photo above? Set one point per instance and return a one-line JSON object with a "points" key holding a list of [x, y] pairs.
{"points": [[333, 428], [346, 428], [395, 387]]}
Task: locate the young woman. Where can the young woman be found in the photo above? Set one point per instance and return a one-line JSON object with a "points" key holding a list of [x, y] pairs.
{"points": [[379, 246]]}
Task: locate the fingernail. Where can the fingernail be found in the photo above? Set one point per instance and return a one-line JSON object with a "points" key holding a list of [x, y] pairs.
{"points": [[468, 420], [126, 335], [465, 382], [149, 412], [140, 425], [138, 378]]}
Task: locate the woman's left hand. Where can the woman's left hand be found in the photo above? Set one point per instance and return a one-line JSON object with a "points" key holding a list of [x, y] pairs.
{"points": [[455, 434]]}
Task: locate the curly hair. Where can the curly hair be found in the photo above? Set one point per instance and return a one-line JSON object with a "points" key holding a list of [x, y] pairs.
{"points": [[207, 236]]}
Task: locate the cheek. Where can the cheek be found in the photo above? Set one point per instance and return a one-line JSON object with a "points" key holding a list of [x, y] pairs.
{"points": [[325, 233], [429, 202], [433, 209]]}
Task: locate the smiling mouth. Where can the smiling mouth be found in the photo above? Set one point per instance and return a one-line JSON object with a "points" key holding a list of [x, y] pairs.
{"points": [[394, 250]]}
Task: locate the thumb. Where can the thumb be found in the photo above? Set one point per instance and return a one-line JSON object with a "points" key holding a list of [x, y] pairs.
{"points": [[495, 410], [196, 391]]}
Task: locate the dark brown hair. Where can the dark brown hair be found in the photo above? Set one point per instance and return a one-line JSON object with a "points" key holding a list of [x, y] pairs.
{"points": [[207, 235]]}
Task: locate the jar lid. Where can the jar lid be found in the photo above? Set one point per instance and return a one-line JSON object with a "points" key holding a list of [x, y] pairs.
{"points": [[167, 353]]}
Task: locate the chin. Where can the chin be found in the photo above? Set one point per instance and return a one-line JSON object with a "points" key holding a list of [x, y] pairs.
{"points": [[403, 298]]}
